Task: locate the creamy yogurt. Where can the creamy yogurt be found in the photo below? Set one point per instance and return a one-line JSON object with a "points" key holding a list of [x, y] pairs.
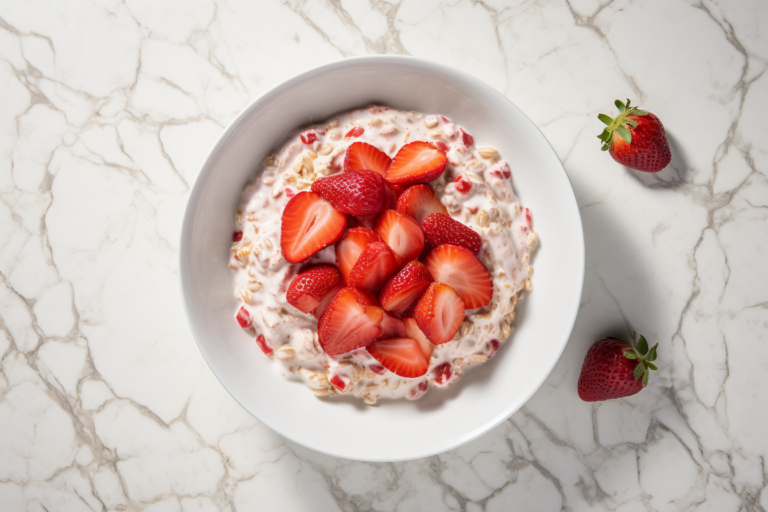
{"points": [[476, 188]]}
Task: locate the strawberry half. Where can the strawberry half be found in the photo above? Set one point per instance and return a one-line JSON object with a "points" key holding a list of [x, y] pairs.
{"points": [[441, 229], [309, 224], [439, 313], [401, 233], [412, 331], [392, 327], [353, 192], [462, 271], [405, 287], [351, 321], [401, 356], [636, 138], [349, 248], [373, 267], [308, 289], [416, 162], [419, 201], [363, 156]]}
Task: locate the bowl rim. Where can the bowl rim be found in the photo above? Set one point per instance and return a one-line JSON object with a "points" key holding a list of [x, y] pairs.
{"points": [[234, 125]]}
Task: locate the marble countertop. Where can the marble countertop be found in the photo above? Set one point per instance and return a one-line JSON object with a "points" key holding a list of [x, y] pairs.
{"points": [[108, 109]]}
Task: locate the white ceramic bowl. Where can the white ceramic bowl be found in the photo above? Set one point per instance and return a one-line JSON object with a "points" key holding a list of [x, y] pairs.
{"points": [[443, 419]]}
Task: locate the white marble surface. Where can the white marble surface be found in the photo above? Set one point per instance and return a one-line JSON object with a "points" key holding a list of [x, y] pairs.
{"points": [[106, 110]]}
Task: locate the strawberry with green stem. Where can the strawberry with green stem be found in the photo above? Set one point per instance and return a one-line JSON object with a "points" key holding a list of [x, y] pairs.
{"points": [[636, 139], [614, 369]]}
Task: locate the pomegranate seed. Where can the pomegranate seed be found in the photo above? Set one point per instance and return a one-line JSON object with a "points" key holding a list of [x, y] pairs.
{"points": [[495, 344], [355, 132], [243, 317], [338, 383], [308, 137], [377, 369], [237, 236], [261, 341], [442, 146], [462, 185], [289, 193], [443, 374], [466, 138]]}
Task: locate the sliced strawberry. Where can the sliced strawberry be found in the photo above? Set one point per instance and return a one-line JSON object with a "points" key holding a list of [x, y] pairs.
{"points": [[355, 132], [351, 321], [348, 249], [364, 156], [237, 236], [309, 224], [405, 287], [308, 289], [263, 344], [401, 233], [393, 193], [243, 317], [373, 267], [419, 201], [412, 331], [392, 327], [327, 301], [416, 162], [461, 270], [441, 229], [463, 185], [401, 356], [439, 313], [353, 192]]}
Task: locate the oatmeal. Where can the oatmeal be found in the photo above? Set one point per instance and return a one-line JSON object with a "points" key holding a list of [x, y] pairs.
{"points": [[459, 222]]}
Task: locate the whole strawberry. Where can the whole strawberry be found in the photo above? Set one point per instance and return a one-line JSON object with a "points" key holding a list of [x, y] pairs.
{"points": [[636, 138], [615, 369]]}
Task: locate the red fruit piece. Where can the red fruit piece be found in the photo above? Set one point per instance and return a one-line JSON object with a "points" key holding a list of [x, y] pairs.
{"points": [[349, 248], [243, 317], [462, 271], [401, 356], [495, 344], [373, 267], [443, 374], [353, 192], [308, 289], [401, 233], [615, 369], [466, 138], [441, 229], [355, 132], [237, 236], [392, 327], [405, 287], [377, 369], [462, 185], [439, 313], [416, 162], [364, 156], [442, 146], [393, 193], [419, 201], [351, 321], [412, 331], [263, 344], [308, 136], [289, 193], [636, 138], [338, 383], [309, 224]]}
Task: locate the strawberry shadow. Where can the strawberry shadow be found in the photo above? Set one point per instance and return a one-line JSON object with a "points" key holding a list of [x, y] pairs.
{"points": [[672, 176]]}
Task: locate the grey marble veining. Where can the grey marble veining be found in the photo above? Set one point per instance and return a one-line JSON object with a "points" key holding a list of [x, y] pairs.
{"points": [[108, 109]]}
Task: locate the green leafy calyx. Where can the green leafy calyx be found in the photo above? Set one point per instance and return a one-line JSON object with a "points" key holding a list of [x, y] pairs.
{"points": [[620, 125], [639, 351]]}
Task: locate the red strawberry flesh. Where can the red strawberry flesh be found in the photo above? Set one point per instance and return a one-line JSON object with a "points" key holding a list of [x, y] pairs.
{"points": [[405, 287], [364, 156], [401, 233], [355, 132], [419, 201], [310, 287], [412, 331], [416, 162], [439, 313], [349, 248], [309, 224], [243, 317], [441, 229], [375, 265], [263, 344], [460, 269], [352, 321], [353, 192], [401, 356]]}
